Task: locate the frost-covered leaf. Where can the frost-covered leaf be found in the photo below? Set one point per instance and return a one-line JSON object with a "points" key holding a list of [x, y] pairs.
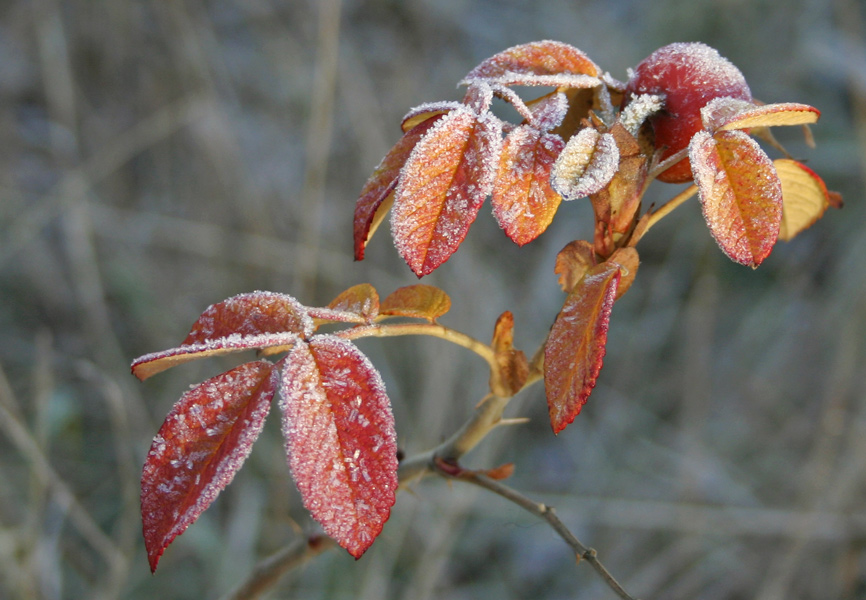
{"points": [[523, 201], [741, 196], [201, 445], [617, 202], [576, 345], [157, 362], [573, 262], [804, 197], [417, 301], [587, 164], [250, 314], [513, 366], [361, 299], [549, 111], [377, 194], [443, 184], [545, 62], [340, 439], [723, 114]]}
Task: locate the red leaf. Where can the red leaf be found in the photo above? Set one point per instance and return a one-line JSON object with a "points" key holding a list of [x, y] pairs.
{"points": [[340, 439], [157, 362], [443, 184], [250, 314], [545, 62], [371, 206], [523, 201], [575, 348], [201, 445], [740, 193], [416, 301]]}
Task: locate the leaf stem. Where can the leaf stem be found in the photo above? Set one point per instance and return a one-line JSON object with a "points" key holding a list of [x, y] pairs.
{"points": [[547, 513], [431, 329], [668, 207]]}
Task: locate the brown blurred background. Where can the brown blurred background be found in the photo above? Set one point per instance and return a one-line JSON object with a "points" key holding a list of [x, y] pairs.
{"points": [[156, 157]]}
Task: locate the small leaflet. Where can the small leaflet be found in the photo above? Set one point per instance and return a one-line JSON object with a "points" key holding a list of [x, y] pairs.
{"points": [[628, 259], [340, 439], [442, 186], [575, 347], [532, 63], [425, 112], [361, 299], [586, 165], [573, 262], [201, 445], [549, 111], [804, 197], [376, 196], [417, 301], [740, 193], [523, 202], [724, 114], [513, 366], [157, 362]]}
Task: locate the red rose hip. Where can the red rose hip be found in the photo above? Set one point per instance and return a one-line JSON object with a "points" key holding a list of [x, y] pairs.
{"points": [[687, 76]]}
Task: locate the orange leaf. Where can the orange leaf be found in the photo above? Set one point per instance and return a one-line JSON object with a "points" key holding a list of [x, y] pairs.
{"points": [[724, 114], [575, 347], [804, 197], [417, 301], [442, 185], [361, 299], [538, 63], [201, 445], [340, 439], [629, 260], [376, 196], [573, 262], [513, 366], [740, 193], [501, 472], [523, 201]]}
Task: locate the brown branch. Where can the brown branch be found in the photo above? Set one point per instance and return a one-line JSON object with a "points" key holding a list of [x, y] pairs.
{"points": [[268, 571], [542, 511]]}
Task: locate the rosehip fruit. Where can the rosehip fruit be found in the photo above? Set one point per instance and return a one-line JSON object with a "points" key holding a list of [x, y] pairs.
{"points": [[687, 76]]}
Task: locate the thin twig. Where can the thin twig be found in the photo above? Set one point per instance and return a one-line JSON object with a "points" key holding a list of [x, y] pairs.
{"points": [[547, 513], [268, 572]]}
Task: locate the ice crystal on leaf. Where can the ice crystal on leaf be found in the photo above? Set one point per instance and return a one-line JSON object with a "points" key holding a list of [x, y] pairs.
{"points": [[586, 165]]}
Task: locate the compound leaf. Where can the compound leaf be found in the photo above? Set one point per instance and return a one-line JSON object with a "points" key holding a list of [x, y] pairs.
{"points": [[740, 193], [340, 439], [576, 345], [201, 445]]}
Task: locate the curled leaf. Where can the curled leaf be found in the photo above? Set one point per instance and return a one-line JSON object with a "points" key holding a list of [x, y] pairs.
{"points": [[523, 202], [442, 185], [376, 196], [573, 262], [417, 301], [586, 165], [201, 445], [513, 366], [804, 197], [740, 193], [724, 114], [340, 439], [576, 345]]}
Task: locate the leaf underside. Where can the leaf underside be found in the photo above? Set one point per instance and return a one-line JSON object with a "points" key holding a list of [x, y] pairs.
{"points": [[340, 439], [202, 443], [575, 347], [417, 301], [804, 197]]}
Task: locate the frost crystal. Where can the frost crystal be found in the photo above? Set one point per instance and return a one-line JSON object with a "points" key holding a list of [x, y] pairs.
{"points": [[638, 110]]}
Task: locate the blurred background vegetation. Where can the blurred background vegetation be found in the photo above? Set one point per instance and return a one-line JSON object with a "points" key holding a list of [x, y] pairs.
{"points": [[156, 157]]}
